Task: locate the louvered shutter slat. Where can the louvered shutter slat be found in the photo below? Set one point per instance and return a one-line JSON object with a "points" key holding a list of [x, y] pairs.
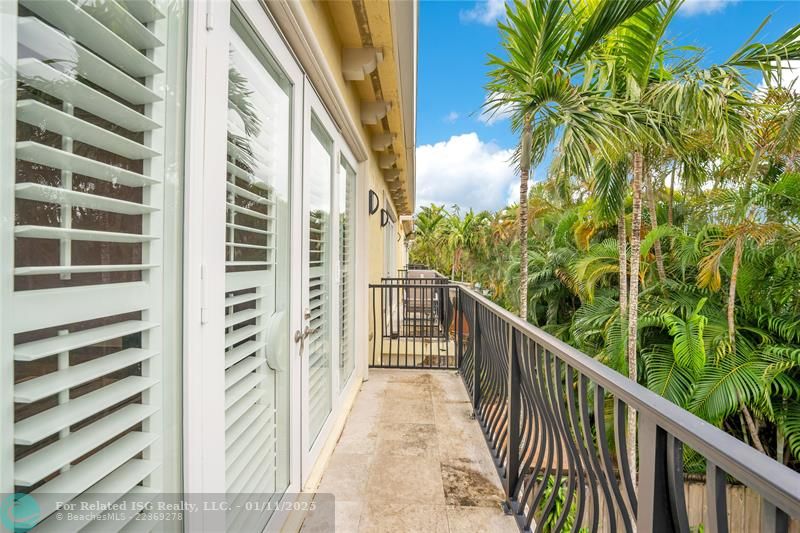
{"points": [[79, 269], [43, 232], [234, 374], [241, 298], [248, 229], [237, 429], [116, 519], [56, 195], [59, 85], [37, 427], [248, 212], [144, 10], [53, 157], [36, 466], [244, 193], [74, 304], [237, 456], [242, 316], [238, 335], [93, 469], [88, 31], [54, 382], [102, 494], [123, 23], [252, 469], [240, 352], [31, 351], [247, 465], [244, 388], [235, 411], [49, 42], [40, 115], [260, 180]]}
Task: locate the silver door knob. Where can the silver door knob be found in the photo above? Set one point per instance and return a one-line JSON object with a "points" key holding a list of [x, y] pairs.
{"points": [[300, 335]]}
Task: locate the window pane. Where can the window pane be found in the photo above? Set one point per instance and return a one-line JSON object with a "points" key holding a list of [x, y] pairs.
{"points": [[347, 241], [257, 274], [97, 183], [318, 344]]}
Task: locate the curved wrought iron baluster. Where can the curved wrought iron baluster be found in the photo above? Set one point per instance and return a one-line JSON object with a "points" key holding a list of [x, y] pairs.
{"points": [[593, 454], [548, 452], [608, 467], [574, 470], [558, 444], [529, 415], [580, 439], [622, 455], [500, 369], [677, 498], [536, 452], [468, 360], [537, 487], [487, 371], [504, 420], [526, 435]]}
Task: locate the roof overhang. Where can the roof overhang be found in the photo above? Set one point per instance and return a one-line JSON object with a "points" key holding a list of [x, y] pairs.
{"points": [[379, 59]]}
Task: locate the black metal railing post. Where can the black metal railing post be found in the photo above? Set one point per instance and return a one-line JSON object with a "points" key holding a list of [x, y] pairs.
{"points": [[773, 520], [654, 508], [459, 314], [717, 498], [476, 360], [512, 443]]}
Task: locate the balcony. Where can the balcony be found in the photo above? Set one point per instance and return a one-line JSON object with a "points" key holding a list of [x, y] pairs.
{"points": [[410, 458], [474, 419]]}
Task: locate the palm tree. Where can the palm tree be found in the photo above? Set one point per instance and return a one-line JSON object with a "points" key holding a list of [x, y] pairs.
{"points": [[545, 41], [462, 234]]}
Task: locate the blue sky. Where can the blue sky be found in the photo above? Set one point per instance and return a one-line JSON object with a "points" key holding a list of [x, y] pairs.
{"points": [[462, 157]]}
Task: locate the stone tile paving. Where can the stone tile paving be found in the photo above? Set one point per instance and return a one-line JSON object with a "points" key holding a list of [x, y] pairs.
{"points": [[411, 459]]}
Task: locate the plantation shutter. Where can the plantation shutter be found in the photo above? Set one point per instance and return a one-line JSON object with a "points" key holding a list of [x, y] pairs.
{"points": [[347, 194], [87, 300], [255, 301], [318, 344]]}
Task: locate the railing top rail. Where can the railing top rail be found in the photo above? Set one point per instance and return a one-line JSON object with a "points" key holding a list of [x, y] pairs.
{"points": [[433, 286], [776, 482], [403, 278]]}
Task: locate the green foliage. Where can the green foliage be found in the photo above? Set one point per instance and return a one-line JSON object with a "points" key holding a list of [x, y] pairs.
{"points": [[718, 332]]}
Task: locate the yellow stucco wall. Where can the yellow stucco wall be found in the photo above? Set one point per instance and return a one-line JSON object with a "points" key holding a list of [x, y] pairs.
{"points": [[327, 34]]}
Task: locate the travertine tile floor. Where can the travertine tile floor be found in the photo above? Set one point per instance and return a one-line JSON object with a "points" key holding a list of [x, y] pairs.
{"points": [[411, 459]]}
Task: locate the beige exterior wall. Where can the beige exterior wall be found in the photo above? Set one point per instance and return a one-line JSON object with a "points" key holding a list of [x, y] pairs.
{"points": [[322, 23]]}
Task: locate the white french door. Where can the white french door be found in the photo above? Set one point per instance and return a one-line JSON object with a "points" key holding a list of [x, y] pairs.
{"points": [[278, 316], [257, 275], [319, 252], [328, 215], [247, 401]]}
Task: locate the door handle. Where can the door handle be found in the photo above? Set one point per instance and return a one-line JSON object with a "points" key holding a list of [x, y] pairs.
{"points": [[300, 335]]}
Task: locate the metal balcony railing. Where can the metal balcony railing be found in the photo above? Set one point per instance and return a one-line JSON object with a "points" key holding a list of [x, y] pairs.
{"points": [[410, 323], [555, 421]]}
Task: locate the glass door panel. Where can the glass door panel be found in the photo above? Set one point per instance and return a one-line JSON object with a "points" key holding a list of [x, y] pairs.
{"points": [[318, 344], [257, 275], [347, 242]]}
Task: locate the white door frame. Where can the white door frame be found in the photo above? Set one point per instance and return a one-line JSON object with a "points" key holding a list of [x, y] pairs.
{"points": [[312, 106], [204, 259], [340, 149]]}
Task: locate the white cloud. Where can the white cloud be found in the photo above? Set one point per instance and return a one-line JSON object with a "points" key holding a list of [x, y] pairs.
{"points": [[789, 77], [466, 171], [497, 114], [451, 117], [704, 7], [484, 12]]}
